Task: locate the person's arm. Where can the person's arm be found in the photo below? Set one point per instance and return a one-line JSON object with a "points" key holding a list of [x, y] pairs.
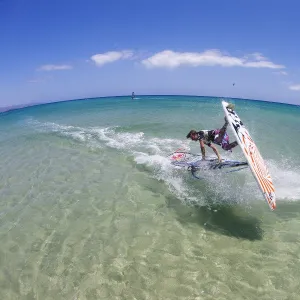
{"points": [[216, 151], [202, 149]]}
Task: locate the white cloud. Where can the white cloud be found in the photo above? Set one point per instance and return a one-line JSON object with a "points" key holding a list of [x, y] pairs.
{"points": [[295, 87], [54, 67], [111, 56], [172, 59], [257, 56], [281, 73]]}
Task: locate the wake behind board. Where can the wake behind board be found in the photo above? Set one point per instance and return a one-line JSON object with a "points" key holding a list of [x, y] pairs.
{"points": [[254, 158]]}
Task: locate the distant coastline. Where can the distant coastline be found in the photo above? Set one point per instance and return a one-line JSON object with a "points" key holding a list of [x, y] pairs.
{"points": [[20, 106]]}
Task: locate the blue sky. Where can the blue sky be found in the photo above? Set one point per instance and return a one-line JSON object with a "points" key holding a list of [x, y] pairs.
{"points": [[69, 49]]}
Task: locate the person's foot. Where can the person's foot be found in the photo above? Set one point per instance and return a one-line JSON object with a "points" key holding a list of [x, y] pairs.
{"points": [[230, 106], [233, 144]]}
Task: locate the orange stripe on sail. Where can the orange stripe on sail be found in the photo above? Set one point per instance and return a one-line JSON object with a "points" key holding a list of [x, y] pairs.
{"points": [[267, 185], [259, 175], [261, 167]]}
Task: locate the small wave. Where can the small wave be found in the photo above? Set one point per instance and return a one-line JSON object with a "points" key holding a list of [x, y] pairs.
{"points": [[153, 153]]}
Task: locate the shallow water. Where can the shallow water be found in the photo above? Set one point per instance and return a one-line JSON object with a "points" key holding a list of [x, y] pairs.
{"points": [[91, 208]]}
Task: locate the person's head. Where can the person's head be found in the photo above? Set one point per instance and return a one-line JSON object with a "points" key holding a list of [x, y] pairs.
{"points": [[193, 135]]}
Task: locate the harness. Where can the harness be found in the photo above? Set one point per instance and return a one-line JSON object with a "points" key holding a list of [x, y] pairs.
{"points": [[207, 136]]}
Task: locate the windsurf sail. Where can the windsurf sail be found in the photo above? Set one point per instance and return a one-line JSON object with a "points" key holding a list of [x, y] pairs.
{"points": [[253, 156], [195, 163]]}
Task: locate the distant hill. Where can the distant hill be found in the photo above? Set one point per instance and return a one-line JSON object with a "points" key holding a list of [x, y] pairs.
{"points": [[14, 107]]}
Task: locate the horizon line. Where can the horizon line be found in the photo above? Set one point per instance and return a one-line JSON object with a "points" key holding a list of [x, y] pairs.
{"points": [[27, 105]]}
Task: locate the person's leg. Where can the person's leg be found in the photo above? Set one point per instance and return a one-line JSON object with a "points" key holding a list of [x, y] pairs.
{"points": [[221, 133], [225, 143], [228, 147]]}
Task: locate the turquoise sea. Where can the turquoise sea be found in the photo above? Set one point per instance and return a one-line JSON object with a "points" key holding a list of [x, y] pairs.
{"points": [[91, 208]]}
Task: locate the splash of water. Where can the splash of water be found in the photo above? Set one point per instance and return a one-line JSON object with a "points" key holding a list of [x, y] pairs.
{"points": [[153, 153]]}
